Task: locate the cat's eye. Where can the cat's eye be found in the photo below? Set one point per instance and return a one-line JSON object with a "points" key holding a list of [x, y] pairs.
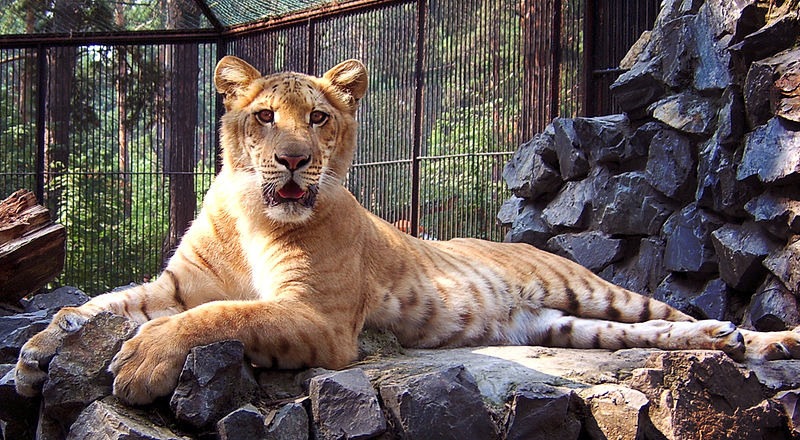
{"points": [[317, 117], [265, 116]]}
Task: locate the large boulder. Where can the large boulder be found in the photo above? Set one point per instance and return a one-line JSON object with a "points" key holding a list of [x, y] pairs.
{"points": [[442, 404], [78, 374], [670, 165], [108, 419], [345, 406], [631, 206], [706, 395], [529, 173], [741, 249], [688, 240], [543, 412], [213, 382], [772, 154]]}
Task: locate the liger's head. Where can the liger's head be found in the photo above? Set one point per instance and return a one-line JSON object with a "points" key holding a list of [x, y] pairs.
{"points": [[287, 136]]}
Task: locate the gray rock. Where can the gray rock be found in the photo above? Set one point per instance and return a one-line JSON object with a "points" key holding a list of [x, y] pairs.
{"points": [[61, 297], [731, 118], [78, 374], [615, 412], [345, 406], [637, 51], [443, 404], [14, 405], [244, 423], [107, 419], [688, 239], [785, 265], [686, 112], [571, 208], [717, 186], [49, 428], [288, 423], [528, 174], [15, 330], [542, 412], [642, 272], [640, 141], [687, 390], [776, 36], [777, 210], [733, 20], [757, 88], [593, 250], [786, 98], [670, 166], [772, 87], [773, 308], [18, 412], [678, 291], [677, 43], [509, 211], [741, 249], [10, 309], [630, 206], [772, 154], [210, 384], [788, 400], [529, 227], [712, 302], [572, 161], [603, 138], [639, 87], [711, 58]]}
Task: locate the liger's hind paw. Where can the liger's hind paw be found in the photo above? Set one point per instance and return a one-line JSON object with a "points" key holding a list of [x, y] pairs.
{"points": [[770, 346]]}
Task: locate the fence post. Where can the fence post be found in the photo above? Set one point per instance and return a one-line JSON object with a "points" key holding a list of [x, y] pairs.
{"points": [[41, 103], [311, 62], [555, 52], [588, 61], [419, 83], [222, 50]]}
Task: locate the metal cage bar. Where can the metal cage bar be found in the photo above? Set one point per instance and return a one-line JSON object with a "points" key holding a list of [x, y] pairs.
{"points": [[109, 132]]}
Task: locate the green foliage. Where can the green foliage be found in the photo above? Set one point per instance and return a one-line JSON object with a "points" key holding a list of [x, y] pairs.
{"points": [[111, 191]]}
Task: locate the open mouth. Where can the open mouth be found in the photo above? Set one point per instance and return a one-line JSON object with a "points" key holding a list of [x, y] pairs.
{"points": [[290, 193]]}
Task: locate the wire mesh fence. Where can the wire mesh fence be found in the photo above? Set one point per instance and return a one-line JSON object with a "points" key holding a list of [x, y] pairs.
{"points": [[119, 139]]}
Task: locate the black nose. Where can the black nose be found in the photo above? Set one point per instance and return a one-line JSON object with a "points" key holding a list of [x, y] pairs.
{"points": [[292, 162]]}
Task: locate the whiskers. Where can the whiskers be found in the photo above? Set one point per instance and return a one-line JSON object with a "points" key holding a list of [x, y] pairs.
{"points": [[329, 179], [268, 188]]}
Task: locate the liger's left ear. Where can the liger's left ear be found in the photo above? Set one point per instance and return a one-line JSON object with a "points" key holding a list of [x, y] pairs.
{"points": [[349, 78]]}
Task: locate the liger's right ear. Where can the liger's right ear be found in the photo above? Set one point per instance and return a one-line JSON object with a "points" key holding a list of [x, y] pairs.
{"points": [[232, 76]]}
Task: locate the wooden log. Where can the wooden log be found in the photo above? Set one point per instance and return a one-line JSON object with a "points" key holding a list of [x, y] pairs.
{"points": [[20, 214], [32, 250]]}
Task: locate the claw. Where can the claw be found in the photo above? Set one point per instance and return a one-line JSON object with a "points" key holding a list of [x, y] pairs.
{"points": [[730, 328]]}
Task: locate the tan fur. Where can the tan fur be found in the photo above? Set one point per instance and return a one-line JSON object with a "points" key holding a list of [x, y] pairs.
{"points": [[297, 280]]}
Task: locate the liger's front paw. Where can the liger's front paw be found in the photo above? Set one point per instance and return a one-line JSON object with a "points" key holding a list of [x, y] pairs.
{"points": [[148, 365], [34, 357], [29, 375]]}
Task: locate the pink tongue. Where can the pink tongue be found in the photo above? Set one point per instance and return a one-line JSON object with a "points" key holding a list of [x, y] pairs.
{"points": [[291, 191]]}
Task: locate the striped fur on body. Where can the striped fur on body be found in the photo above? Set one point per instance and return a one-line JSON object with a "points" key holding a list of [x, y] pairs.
{"points": [[283, 258]]}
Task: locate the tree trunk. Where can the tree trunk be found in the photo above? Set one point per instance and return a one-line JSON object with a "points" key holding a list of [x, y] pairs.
{"points": [[61, 62], [122, 127], [181, 142]]}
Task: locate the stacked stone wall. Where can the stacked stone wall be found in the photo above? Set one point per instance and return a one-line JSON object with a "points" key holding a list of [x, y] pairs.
{"points": [[692, 194]]}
